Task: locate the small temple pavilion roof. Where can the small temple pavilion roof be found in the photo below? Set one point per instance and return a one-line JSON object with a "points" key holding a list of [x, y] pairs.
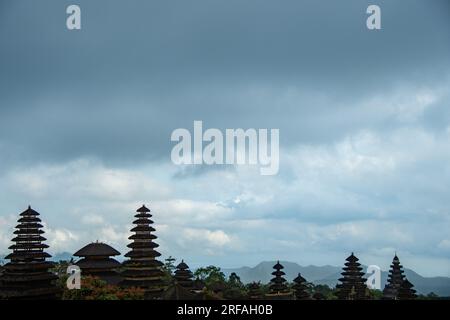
{"points": [[299, 279], [178, 292], [96, 249]]}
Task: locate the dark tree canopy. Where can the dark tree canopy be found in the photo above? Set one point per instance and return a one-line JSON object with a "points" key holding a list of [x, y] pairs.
{"points": [[255, 291]]}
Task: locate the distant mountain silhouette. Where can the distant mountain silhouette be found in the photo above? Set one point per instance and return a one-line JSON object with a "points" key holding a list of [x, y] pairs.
{"points": [[62, 256], [262, 271], [329, 275]]}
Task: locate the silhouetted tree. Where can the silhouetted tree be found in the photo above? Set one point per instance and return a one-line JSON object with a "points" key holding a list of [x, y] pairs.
{"points": [[255, 291], [324, 291], [212, 276], [169, 265]]}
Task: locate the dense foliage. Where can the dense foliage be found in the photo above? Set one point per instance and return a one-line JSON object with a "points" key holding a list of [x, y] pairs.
{"points": [[96, 289], [217, 286]]}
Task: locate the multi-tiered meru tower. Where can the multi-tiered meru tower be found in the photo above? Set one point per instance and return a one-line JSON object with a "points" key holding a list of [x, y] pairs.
{"points": [[395, 279], [278, 289], [397, 286], [353, 285], [27, 275], [278, 283], [142, 269]]}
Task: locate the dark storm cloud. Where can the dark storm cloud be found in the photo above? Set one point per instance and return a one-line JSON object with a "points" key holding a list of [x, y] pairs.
{"points": [[139, 69], [216, 39], [86, 118]]}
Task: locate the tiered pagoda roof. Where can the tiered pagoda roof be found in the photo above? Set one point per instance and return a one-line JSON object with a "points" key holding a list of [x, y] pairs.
{"points": [[300, 288], [27, 275], [183, 276], [278, 289], [277, 284], [142, 269], [183, 286], [395, 280], [406, 291], [353, 285], [96, 261], [178, 292]]}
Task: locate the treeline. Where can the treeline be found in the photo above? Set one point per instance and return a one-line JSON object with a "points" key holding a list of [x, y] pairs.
{"points": [[215, 286]]}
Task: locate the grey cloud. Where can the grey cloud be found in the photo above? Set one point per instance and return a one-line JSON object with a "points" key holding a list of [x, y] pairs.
{"points": [[137, 70], [115, 90]]}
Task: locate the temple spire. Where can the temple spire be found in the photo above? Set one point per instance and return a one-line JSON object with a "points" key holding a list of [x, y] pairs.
{"points": [[27, 275], [300, 288], [395, 279], [353, 285], [278, 283], [142, 269], [183, 276]]}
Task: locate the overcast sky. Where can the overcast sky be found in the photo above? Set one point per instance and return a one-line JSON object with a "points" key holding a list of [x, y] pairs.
{"points": [[364, 119]]}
